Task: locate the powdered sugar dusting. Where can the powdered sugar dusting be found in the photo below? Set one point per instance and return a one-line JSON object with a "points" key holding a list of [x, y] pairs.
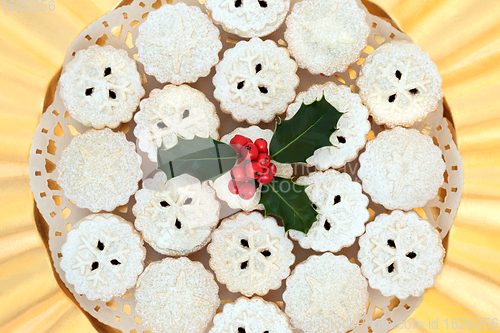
{"points": [[325, 36], [399, 84], [99, 170], [102, 257], [250, 254], [401, 169], [342, 211], [176, 295], [401, 254]]}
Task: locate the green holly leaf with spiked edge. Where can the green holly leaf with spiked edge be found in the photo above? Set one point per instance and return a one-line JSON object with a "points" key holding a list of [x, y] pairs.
{"points": [[203, 158], [296, 139], [288, 201]]}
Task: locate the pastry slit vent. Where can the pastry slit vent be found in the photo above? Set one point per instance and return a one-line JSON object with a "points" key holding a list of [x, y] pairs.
{"points": [[411, 255], [115, 262], [263, 4], [244, 243], [241, 330], [185, 114], [89, 91], [398, 75], [390, 269], [414, 91], [112, 94], [263, 90], [336, 200], [392, 98], [258, 68], [100, 245], [161, 124], [95, 265], [107, 71], [266, 253], [178, 224], [164, 203], [244, 265], [341, 139], [237, 3], [327, 225], [391, 243], [240, 85]]}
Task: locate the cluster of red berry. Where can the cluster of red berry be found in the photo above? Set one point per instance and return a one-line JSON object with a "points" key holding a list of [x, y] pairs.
{"points": [[254, 164]]}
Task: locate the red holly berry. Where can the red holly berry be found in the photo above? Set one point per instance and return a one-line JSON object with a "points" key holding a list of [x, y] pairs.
{"points": [[254, 170], [272, 168], [233, 186], [265, 178], [263, 160], [261, 145], [247, 190], [249, 152], [238, 173], [237, 142]]}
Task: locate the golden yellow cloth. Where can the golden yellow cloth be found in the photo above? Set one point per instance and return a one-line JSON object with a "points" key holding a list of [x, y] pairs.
{"points": [[462, 37]]}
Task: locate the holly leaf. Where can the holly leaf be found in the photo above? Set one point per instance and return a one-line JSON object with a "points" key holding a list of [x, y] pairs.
{"points": [[296, 139], [288, 200], [203, 158]]}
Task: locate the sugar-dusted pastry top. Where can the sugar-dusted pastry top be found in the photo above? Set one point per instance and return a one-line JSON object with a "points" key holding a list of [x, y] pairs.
{"points": [[342, 211], [178, 44], [174, 111], [102, 257], [99, 170], [251, 315], [248, 18], [255, 81], [401, 254], [327, 290], [326, 36], [179, 219], [399, 84], [250, 254], [401, 169], [101, 87], [176, 295]]}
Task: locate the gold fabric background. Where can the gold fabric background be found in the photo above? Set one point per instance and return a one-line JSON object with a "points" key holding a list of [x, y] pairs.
{"points": [[462, 37]]}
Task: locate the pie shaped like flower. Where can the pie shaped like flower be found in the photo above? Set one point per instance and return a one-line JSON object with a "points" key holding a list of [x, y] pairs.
{"points": [[327, 290], [99, 170], [251, 316], [255, 81], [401, 169], [101, 87], [342, 211], [352, 128], [102, 257], [401, 254], [179, 219], [249, 18], [221, 184], [325, 36], [178, 43], [171, 112], [399, 84], [250, 254], [176, 295]]}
